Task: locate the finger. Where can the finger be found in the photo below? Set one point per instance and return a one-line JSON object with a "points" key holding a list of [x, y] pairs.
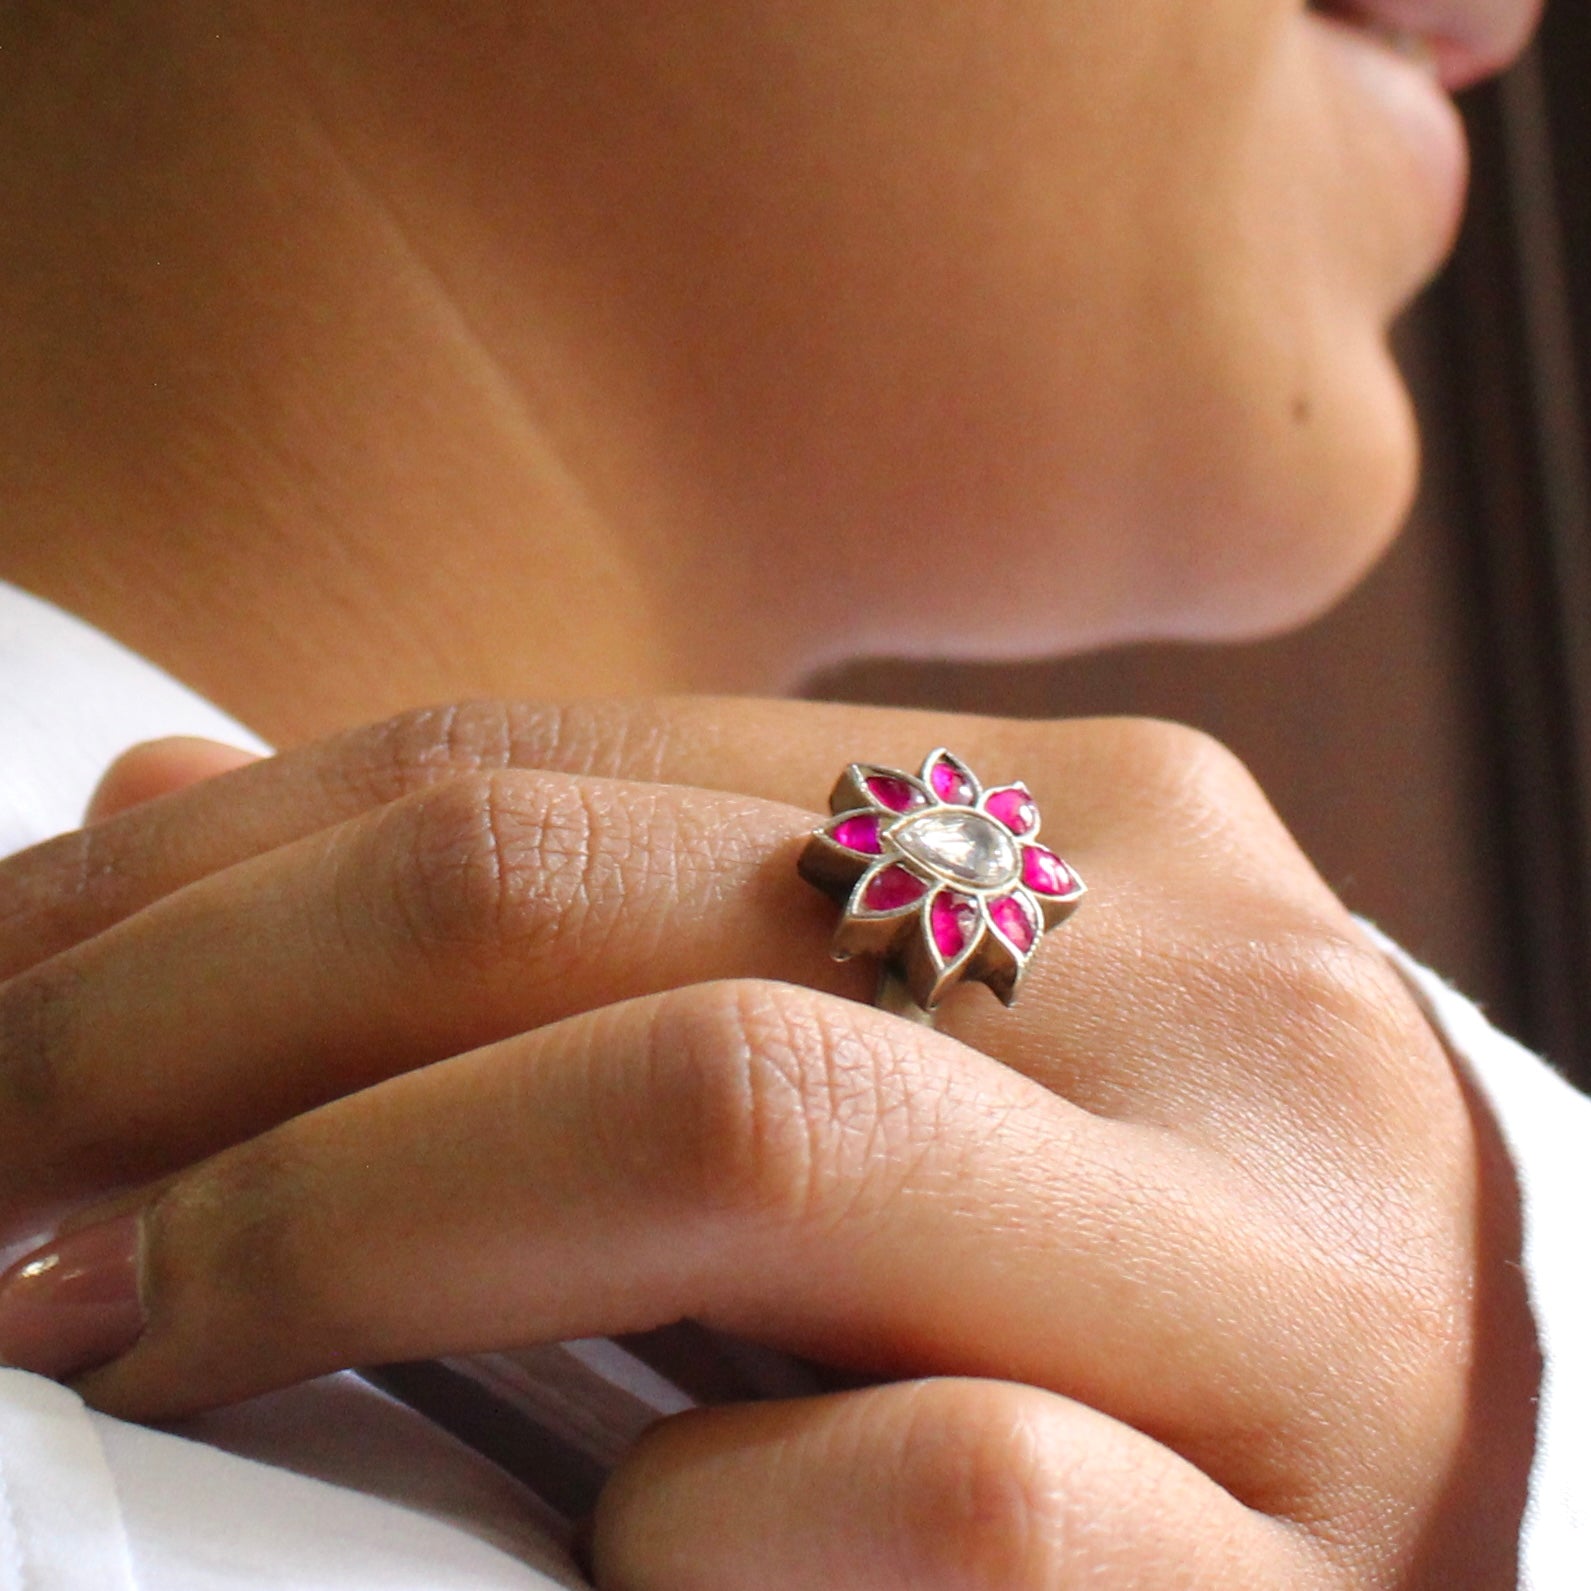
{"points": [[159, 768], [1092, 779], [505, 901], [459, 916], [948, 1485], [779, 1164]]}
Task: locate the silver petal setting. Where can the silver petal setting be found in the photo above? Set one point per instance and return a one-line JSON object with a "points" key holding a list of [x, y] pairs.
{"points": [[938, 877]]}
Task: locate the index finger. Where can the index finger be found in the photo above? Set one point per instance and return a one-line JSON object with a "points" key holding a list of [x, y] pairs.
{"points": [[67, 890]]}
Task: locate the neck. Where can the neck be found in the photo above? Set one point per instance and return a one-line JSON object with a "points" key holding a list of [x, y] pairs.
{"points": [[281, 420]]}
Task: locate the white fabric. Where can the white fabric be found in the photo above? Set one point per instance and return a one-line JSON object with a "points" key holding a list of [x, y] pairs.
{"points": [[1546, 1125], [72, 699], [332, 1487]]}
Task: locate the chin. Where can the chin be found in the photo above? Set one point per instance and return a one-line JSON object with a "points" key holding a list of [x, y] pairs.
{"points": [[1286, 544], [1255, 537]]}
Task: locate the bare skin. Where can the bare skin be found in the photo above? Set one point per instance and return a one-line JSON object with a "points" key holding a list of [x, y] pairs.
{"points": [[363, 356], [1194, 1270], [357, 359]]}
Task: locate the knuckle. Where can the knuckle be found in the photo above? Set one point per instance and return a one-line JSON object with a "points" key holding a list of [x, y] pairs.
{"points": [[1173, 753], [490, 862], [1320, 972], [432, 745], [1184, 772], [1370, 1090], [60, 892], [725, 1127], [778, 1104], [983, 1487], [38, 1036], [1341, 1058], [1341, 980], [1352, 1024], [233, 1247]]}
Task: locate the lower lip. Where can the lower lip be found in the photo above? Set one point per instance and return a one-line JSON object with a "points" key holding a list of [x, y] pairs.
{"points": [[1427, 123]]}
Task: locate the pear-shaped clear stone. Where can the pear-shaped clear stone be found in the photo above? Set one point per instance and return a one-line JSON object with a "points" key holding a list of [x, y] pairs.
{"points": [[965, 847]]}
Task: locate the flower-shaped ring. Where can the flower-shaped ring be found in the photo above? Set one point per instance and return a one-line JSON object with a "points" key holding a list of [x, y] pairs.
{"points": [[940, 878]]}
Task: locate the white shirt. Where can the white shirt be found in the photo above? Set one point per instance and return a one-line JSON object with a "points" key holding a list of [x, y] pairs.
{"points": [[333, 1487]]}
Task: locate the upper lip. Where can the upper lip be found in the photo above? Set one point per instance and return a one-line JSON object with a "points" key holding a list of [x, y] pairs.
{"points": [[1468, 39]]}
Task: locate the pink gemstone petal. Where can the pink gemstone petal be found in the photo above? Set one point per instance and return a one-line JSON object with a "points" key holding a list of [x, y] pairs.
{"points": [[1014, 916], [1015, 808], [951, 782], [892, 889], [862, 834], [953, 920], [1046, 872], [899, 795]]}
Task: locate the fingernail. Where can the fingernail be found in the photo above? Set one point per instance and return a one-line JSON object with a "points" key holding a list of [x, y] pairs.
{"points": [[73, 1305]]}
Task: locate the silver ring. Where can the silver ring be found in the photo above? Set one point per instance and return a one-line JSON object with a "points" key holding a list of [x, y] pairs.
{"points": [[941, 879]]}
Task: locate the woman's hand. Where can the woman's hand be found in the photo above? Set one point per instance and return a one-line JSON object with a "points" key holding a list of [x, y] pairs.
{"points": [[498, 1025]]}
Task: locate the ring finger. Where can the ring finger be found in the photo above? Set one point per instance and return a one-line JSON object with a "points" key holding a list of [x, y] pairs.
{"points": [[482, 907]]}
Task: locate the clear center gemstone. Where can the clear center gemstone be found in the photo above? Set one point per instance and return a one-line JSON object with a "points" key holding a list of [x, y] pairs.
{"points": [[964, 847]]}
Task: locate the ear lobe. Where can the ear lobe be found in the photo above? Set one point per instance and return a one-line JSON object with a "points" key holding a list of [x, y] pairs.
{"points": [[160, 767]]}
